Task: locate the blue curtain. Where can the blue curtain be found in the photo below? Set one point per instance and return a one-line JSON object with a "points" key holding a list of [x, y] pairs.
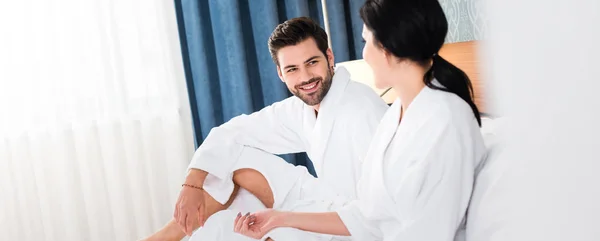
{"points": [[227, 64]]}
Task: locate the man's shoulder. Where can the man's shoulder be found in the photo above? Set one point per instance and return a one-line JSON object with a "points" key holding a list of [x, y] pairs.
{"points": [[361, 92], [360, 99]]}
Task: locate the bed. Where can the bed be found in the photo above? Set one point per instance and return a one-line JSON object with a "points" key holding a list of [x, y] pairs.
{"points": [[464, 55]]}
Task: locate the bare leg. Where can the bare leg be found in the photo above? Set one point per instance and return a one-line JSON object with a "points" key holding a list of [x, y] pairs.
{"points": [[255, 183], [249, 179]]}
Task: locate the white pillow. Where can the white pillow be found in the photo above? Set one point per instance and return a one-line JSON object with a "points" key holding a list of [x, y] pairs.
{"points": [[479, 218], [490, 130]]}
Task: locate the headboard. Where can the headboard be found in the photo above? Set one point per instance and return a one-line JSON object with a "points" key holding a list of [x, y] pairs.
{"points": [[463, 55]]}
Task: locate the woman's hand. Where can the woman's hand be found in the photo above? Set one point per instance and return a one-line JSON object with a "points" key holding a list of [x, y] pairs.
{"points": [[258, 224]]}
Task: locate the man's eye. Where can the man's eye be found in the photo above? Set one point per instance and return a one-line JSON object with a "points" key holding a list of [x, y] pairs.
{"points": [[291, 70]]}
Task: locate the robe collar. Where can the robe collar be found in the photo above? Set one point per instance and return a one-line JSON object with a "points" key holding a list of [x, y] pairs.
{"points": [[319, 128]]}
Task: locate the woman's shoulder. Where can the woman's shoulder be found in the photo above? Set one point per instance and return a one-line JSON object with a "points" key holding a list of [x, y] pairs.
{"points": [[445, 109], [451, 104]]}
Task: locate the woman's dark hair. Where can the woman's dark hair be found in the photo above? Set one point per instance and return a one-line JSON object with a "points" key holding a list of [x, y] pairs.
{"points": [[416, 30]]}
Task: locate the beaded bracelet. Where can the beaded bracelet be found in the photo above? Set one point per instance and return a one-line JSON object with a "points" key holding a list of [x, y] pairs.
{"points": [[192, 186]]}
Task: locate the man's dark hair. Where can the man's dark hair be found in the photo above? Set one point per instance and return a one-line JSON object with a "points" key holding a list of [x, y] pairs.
{"points": [[294, 31]]}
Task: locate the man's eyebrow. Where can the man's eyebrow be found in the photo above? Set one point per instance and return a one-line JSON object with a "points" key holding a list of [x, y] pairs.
{"points": [[289, 66], [311, 59], [308, 60]]}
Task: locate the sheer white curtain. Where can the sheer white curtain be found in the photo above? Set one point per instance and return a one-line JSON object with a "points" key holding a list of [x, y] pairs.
{"points": [[95, 130]]}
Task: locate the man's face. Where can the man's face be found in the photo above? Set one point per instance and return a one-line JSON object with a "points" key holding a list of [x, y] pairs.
{"points": [[306, 71]]}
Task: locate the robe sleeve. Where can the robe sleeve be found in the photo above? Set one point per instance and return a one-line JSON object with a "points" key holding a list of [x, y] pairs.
{"points": [[274, 129], [358, 225]]}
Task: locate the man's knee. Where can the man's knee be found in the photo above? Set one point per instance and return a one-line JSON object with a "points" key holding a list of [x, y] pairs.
{"points": [[255, 183]]}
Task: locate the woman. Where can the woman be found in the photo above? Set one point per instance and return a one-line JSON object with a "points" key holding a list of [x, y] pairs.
{"points": [[418, 174]]}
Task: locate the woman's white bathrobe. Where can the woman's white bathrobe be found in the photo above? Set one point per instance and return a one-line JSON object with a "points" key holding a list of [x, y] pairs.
{"points": [[418, 174], [336, 141]]}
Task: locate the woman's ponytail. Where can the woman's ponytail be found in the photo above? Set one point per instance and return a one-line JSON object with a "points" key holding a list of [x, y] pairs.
{"points": [[453, 80]]}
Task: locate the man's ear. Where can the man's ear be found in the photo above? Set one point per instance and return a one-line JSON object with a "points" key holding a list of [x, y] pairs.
{"points": [[330, 57], [279, 73]]}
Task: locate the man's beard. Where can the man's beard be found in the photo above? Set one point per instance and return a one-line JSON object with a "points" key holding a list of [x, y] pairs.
{"points": [[316, 97]]}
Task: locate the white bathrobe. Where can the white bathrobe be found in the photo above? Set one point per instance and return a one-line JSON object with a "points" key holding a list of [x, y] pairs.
{"points": [[418, 174], [336, 141]]}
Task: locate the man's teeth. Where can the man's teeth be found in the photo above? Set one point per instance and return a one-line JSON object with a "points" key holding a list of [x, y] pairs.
{"points": [[309, 87]]}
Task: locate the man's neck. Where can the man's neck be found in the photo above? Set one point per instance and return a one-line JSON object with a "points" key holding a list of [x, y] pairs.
{"points": [[316, 108]]}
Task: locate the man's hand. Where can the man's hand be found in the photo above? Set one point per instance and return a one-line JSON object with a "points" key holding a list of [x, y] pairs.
{"points": [[258, 224], [190, 211]]}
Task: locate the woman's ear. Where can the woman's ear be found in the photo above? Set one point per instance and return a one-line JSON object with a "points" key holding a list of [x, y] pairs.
{"points": [[389, 57]]}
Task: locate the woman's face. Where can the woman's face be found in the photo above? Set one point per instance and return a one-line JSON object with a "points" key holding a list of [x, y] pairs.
{"points": [[375, 56]]}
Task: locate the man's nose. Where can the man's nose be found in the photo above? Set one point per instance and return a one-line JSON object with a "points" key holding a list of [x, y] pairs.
{"points": [[305, 75]]}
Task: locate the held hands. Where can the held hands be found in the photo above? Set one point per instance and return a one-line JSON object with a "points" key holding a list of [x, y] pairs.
{"points": [[257, 225]]}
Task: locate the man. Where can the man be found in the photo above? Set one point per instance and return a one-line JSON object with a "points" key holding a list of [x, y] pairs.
{"points": [[329, 117]]}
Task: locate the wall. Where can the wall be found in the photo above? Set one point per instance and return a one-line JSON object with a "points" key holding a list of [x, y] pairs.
{"points": [[466, 20]]}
